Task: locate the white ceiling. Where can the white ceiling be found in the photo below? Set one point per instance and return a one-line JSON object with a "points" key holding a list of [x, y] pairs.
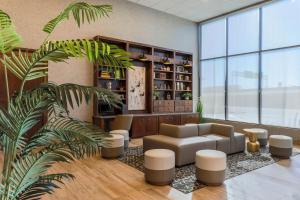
{"points": [[196, 10]]}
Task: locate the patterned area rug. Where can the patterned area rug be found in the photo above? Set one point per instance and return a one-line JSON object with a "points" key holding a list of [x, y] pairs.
{"points": [[185, 179]]}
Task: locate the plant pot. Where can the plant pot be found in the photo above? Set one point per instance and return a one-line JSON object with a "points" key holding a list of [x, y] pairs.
{"points": [[187, 98]]}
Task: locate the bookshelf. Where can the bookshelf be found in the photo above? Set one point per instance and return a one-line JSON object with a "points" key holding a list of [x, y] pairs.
{"points": [[168, 77]]}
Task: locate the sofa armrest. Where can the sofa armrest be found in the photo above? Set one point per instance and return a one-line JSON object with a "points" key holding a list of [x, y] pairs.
{"points": [[222, 129]]}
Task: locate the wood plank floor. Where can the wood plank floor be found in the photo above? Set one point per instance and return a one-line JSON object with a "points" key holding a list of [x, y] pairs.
{"points": [[98, 179]]}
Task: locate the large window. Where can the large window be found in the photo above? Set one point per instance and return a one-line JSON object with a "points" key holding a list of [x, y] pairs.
{"points": [[213, 87], [243, 88], [281, 87], [250, 65]]}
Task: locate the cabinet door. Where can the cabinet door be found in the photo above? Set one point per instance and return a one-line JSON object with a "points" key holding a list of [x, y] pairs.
{"points": [[138, 128], [151, 125], [169, 119], [189, 118]]}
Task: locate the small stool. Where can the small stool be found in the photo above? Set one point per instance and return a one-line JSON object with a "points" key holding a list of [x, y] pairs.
{"points": [[125, 134], [113, 146], [261, 135], [281, 145], [210, 167], [159, 166]]}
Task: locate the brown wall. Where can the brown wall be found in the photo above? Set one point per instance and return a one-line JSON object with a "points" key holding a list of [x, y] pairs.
{"points": [[239, 126], [128, 21]]}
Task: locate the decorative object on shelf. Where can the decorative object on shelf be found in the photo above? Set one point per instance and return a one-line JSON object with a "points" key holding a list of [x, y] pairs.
{"points": [[181, 86], [168, 69], [187, 95], [121, 88], [109, 85], [142, 57], [166, 61], [163, 75], [180, 69], [188, 88], [136, 83], [187, 78], [169, 96], [117, 74], [168, 87], [105, 74], [156, 95], [186, 64], [177, 86]]}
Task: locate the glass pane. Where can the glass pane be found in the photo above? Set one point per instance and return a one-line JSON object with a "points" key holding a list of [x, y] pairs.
{"points": [[213, 39], [213, 88], [281, 88], [281, 24], [243, 88], [243, 32]]}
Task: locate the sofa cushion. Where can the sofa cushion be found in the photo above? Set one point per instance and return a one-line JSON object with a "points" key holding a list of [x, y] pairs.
{"points": [[176, 131], [204, 129], [222, 129], [223, 143]]}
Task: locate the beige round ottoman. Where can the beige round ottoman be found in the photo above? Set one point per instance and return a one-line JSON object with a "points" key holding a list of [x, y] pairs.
{"points": [[210, 167], [159, 166], [125, 134], [113, 147], [281, 145], [261, 134]]}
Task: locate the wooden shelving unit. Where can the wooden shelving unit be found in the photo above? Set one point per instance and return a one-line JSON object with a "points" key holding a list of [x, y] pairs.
{"points": [[168, 75]]}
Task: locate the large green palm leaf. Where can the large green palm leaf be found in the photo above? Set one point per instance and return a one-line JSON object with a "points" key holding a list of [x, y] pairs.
{"points": [[81, 12], [28, 169], [44, 185], [81, 138], [9, 38], [33, 66], [67, 95]]}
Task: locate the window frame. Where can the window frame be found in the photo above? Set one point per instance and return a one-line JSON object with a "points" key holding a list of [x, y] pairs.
{"points": [[260, 51]]}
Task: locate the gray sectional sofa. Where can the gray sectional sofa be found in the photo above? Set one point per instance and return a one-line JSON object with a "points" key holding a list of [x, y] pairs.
{"points": [[186, 140]]}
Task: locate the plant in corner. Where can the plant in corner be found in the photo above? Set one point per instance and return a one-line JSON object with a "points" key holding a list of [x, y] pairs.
{"points": [[61, 139], [199, 110]]}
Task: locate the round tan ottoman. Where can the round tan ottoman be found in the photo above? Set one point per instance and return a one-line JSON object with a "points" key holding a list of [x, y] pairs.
{"points": [[261, 134], [125, 134], [113, 147], [159, 166], [281, 145], [210, 167]]}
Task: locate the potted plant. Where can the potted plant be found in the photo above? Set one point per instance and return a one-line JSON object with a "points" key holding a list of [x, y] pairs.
{"points": [[25, 172], [187, 95], [156, 95], [199, 110]]}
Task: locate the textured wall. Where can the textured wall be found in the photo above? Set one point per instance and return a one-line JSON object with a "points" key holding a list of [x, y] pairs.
{"points": [[128, 21]]}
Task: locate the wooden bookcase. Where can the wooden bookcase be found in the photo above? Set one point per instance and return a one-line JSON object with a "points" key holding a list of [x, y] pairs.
{"points": [[168, 77]]}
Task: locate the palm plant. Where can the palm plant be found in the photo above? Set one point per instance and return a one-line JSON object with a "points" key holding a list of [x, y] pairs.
{"points": [[199, 110], [61, 138]]}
